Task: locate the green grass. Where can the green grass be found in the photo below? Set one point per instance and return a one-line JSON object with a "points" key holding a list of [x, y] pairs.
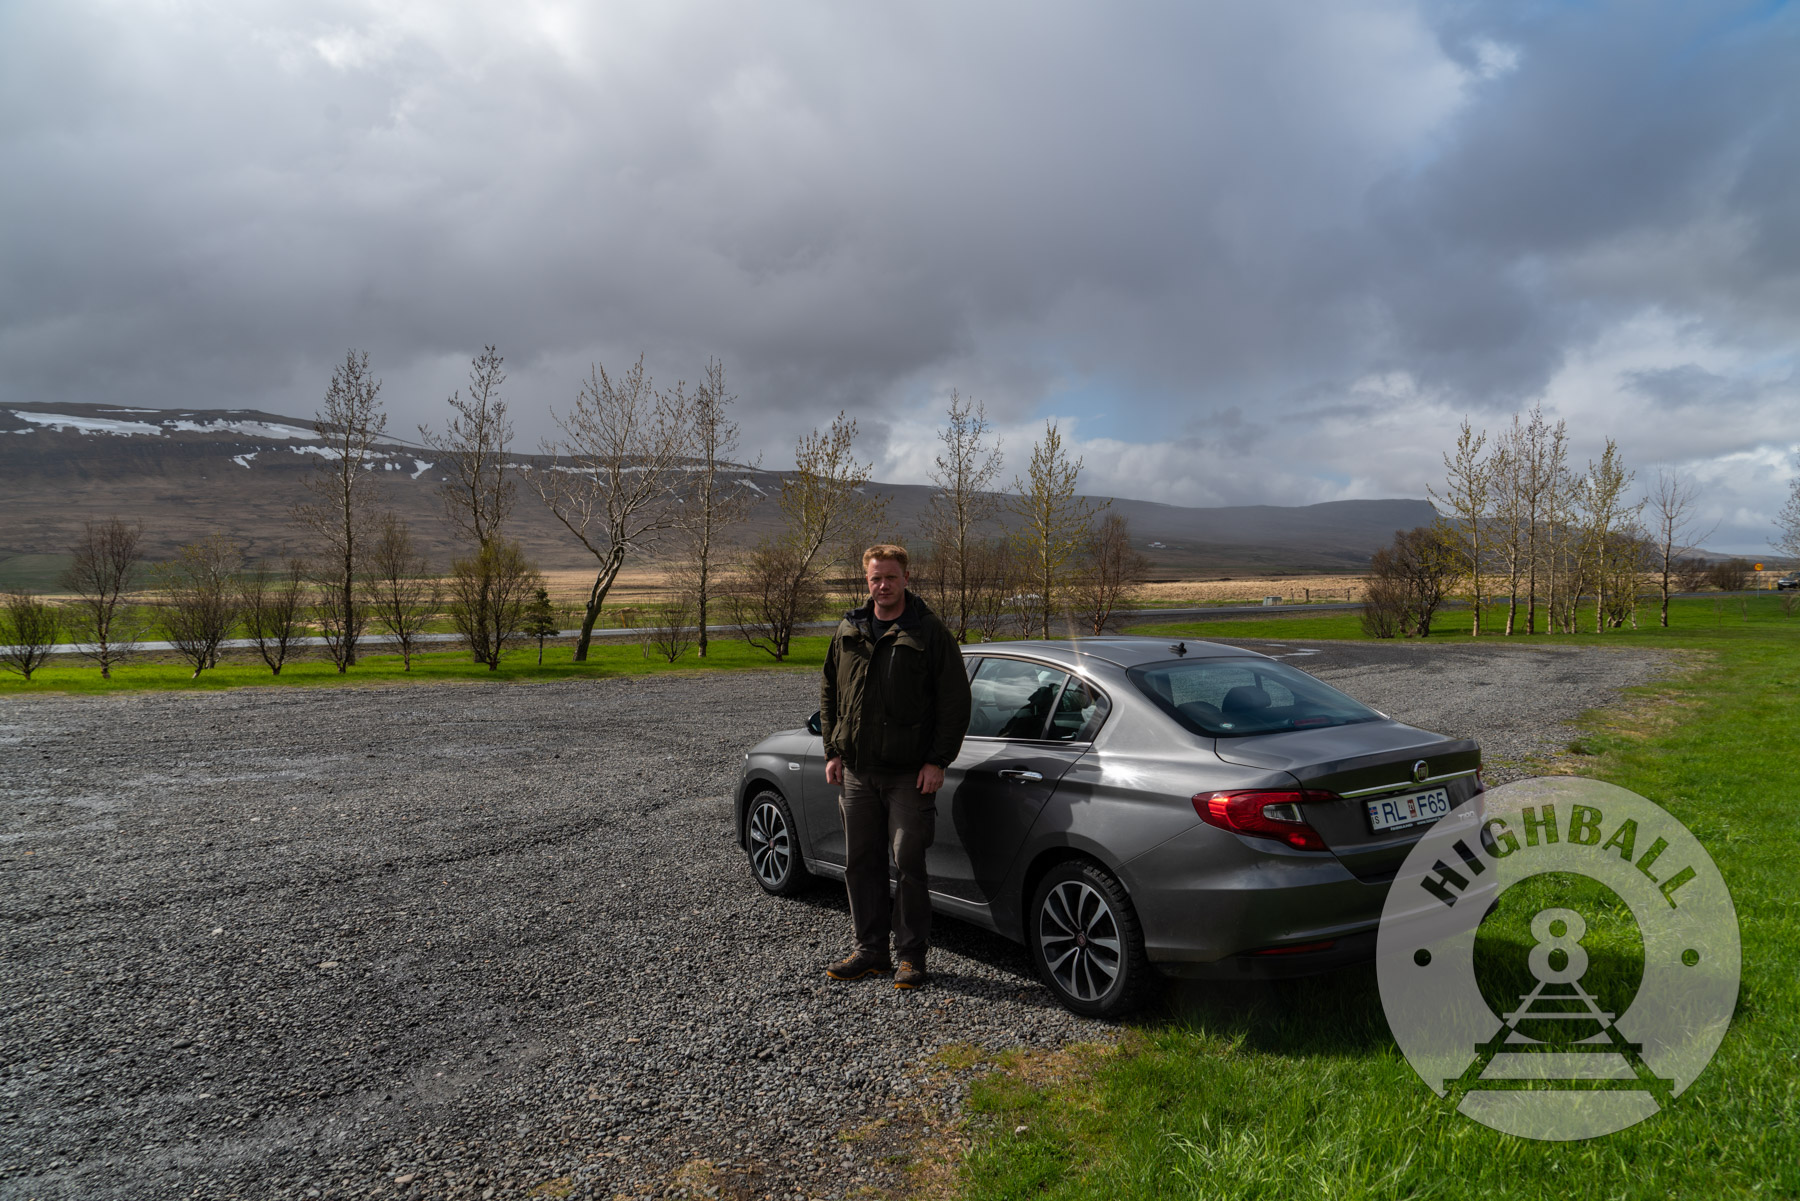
{"points": [[1297, 1090], [144, 617], [71, 674], [1693, 622]]}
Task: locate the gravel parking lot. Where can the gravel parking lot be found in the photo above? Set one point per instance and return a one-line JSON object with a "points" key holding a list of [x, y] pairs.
{"points": [[485, 940]]}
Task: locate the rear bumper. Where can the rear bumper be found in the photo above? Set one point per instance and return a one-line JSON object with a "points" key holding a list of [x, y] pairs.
{"points": [[1279, 964], [1211, 906]]}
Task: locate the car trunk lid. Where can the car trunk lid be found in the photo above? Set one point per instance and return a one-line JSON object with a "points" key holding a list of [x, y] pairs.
{"points": [[1365, 762]]}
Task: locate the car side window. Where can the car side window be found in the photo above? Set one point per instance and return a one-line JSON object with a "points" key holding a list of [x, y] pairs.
{"points": [[1010, 698], [1079, 712]]}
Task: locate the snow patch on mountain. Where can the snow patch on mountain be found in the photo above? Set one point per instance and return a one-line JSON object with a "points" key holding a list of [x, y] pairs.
{"points": [[88, 425], [250, 429]]}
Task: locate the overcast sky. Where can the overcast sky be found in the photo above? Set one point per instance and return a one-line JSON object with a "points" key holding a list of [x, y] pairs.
{"points": [[1242, 253]]}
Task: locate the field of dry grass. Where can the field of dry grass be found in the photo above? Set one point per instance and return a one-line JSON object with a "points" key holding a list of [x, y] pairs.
{"points": [[1251, 589], [635, 585], [647, 585]]}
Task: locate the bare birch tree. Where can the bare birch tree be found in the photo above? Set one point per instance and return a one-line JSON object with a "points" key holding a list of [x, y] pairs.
{"points": [[103, 571], [1508, 529], [1562, 489], [399, 589], [1532, 491], [615, 473], [995, 609], [1409, 581], [28, 632], [1606, 522], [1107, 570], [1053, 522], [785, 579], [772, 594], [1466, 511], [1673, 526], [823, 502], [670, 628], [1630, 554], [477, 494], [490, 597], [271, 605], [714, 498], [344, 486], [965, 501], [200, 599]]}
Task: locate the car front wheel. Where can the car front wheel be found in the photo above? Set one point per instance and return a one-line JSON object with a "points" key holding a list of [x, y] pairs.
{"points": [[773, 845], [1086, 941]]}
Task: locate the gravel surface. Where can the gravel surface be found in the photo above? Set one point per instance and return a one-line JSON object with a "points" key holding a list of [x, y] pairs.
{"points": [[499, 940]]}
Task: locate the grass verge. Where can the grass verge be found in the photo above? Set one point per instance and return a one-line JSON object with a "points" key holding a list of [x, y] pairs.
{"points": [[1694, 621], [240, 669], [1297, 1090]]}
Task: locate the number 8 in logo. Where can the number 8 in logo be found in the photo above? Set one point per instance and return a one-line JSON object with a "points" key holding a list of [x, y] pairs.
{"points": [[1558, 930]]}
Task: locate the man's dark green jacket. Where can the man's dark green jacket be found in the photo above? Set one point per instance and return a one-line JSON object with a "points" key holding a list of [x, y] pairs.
{"points": [[895, 703]]}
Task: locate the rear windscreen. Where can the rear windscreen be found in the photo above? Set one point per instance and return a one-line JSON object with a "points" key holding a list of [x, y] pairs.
{"points": [[1224, 698]]}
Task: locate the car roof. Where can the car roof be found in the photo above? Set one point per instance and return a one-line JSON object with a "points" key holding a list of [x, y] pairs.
{"points": [[1120, 650]]}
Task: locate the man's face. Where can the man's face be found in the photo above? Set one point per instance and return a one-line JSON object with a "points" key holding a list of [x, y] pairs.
{"points": [[887, 582]]}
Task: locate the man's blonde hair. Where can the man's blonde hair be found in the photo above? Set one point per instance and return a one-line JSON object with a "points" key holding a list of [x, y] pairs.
{"points": [[885, 550]]}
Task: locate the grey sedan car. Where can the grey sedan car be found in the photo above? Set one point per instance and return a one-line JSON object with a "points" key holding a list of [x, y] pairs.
{"points": [[1127, 807]]}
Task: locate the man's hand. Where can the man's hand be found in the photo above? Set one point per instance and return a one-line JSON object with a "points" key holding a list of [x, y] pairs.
{"points": [[931, 778], [834, 771]]}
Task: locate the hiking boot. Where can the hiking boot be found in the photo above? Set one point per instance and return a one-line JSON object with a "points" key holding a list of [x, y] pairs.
{"points": [[859, 965], [912, 974]]}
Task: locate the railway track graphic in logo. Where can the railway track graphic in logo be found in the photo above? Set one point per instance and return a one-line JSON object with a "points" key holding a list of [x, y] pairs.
{"points": [[1561, 962]]}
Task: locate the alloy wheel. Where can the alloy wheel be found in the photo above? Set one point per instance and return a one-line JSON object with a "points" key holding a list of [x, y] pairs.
{"points": [[771, 844], [1082, 946]]}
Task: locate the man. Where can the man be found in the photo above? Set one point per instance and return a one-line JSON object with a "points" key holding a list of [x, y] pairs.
{"points": [[893, 707]]}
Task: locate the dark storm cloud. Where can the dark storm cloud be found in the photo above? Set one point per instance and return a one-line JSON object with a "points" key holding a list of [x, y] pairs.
{"points": [[1596, 179], [1281, 238]]}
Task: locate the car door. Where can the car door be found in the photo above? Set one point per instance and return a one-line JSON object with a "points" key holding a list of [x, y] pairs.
{"points": [[818, 801], [1029, 722]]}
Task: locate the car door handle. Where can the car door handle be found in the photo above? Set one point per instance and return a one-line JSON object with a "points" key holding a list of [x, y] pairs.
{"points": [[1020, 773]]}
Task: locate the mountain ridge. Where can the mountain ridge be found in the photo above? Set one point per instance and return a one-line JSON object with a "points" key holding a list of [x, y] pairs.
{"points": [[188, 472]]}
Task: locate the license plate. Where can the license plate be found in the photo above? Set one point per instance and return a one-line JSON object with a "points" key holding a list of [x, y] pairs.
{"points": [[1398, 812]]}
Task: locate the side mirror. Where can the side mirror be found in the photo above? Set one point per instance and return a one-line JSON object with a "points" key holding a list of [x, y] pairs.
{"points": [[812, 724]]}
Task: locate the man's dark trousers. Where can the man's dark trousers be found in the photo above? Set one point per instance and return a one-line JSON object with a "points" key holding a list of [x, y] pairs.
{"points": [[885, 813]]}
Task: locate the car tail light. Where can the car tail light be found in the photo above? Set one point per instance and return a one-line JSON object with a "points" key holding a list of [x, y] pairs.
{"points": [[1265, 813]]}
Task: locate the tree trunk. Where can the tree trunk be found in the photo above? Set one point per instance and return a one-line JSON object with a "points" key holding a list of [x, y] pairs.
{"points": [[603, 582], [700, 605], [1474, 584], [1531, 598]]}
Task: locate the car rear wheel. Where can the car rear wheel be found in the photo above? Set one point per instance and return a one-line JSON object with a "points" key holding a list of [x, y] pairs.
{"points": [[1086, 941], [773, 845]]}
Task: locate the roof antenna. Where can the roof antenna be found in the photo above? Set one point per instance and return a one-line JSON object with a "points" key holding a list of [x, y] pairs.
{"points": [[1180, 648]]}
